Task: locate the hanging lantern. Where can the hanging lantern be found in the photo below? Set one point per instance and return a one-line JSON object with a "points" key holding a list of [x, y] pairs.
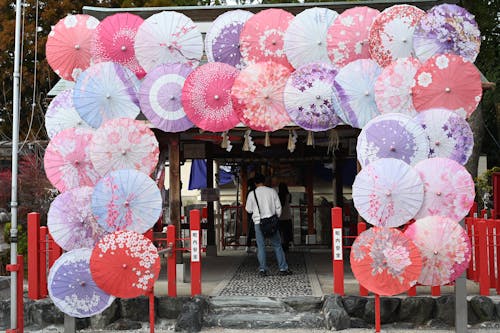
{"points": [[267, 141]]}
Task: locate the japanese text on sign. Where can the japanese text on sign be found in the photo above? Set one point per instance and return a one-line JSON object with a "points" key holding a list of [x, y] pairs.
{"points": [[337, 244], [195, 245]]}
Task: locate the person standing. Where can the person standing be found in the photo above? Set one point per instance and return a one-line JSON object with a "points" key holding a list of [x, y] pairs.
{"points": [[264, 202], [286, 228]]}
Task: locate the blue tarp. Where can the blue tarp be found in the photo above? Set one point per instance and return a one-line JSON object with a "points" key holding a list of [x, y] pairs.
{"points": [[198, 176]]}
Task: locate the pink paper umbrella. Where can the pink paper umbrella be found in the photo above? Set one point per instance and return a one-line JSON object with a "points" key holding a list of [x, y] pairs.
{"points": [[262, 37], [448, 188], [67, 160], [447, 81], [445, 249], [114, 41], [347, 38], [393, 87], [206, 97], [257, 96], [68, 45], [124, 143], [391, 34]]}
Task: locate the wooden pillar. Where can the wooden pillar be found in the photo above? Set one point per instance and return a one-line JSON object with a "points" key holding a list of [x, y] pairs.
{"points": [[174, 160], [244, 193], [211, 245], [310, 199]]}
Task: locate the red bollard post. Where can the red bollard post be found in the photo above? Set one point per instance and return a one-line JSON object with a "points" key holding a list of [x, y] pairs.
{"points": [[436, 290], [490, 229], [171, 262], [497, 229], [151, 296], [476, 248], [55, 250], [43, 262], [19, 269], [362, 290], [337, 252], [473, 209], [412, 291], [469, 229], [377, 313], [194, 226], [484, 281], [33, 257]]}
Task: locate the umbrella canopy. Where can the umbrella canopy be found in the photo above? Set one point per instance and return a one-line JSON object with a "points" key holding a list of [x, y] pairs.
{"points": [[445, 249], [447, 81], [68, 45], [67, 160], [160, 97], [125, 264], [309, 97], [168, 37], [71, 222], [126, 199], [391, 34], [388, 192], [124, 143], [449, 134], [448, 188], [447, 28], [347, 38], [71, 287], [385, 261], [393, 87], [393, 135], [222, 41], [262, 37], [61, 114], [114, 41], [206, 97], [257, 96], [305, 37], [106, 90], [355, 84]]}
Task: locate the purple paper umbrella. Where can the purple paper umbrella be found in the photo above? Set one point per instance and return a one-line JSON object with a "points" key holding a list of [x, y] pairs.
{"points": [[160, 97], [309, 97], [72, 288], [222, 42], [392, 135]]}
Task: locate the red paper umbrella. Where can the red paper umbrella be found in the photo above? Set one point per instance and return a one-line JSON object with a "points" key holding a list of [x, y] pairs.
{"points": [[447, 81], [206, 97], [68, 45], [125, 264], [385, 261]]}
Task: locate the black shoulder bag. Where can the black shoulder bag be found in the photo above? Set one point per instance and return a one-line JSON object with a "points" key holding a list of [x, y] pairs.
{"points": [[268, 225]]}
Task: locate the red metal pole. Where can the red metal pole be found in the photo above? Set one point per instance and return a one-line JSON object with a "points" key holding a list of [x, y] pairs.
{"points": [[194, 225], [43, 262], [19, 269], [33, 257], [337, 252], [362, 290], [377, 313], [171, 262], [484, 282], [490, 224], [152, 311]]}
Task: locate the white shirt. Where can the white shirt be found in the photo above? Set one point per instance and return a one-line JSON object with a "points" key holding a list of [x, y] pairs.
{"points": [[269, 203]]}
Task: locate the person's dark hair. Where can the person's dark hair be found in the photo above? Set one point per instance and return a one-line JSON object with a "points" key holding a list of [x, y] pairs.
{"points": [[259, 178], [283, 193], [251, 184]]}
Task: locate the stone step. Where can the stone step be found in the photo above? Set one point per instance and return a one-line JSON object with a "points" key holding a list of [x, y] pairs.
{"points": [[257, 304], [265, 320]]}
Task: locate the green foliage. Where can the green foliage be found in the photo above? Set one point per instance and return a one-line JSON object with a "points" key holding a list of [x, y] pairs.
{"points": [[484, 185], [22, 237]]}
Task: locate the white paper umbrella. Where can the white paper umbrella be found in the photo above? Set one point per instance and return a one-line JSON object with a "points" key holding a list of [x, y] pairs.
{"points": [[388, 192], [168, 37], [305, 37]]}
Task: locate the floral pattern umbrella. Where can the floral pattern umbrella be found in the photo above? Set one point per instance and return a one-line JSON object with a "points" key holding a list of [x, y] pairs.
{"points": [[391, 34], [309, 97], [445, 249], [449, 134], [206, 97], [305, 37], [222, 41], [393, 88], [262, 37], [257, 96], [393, 135], [114, 41], [106, 90], [448, 188], [68, 45], [388, 192], [447, 81], [355, 84], [70, 220], [160, 97], [126, 200], [168, 37], [67, 160], [447, 28], [61, 114], [124, 143], [125, 264], [347, 38], [72, 288], [385, 261]]}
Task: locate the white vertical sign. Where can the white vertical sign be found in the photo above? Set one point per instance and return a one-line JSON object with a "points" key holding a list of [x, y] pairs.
{"points": [[195, 245], [337, 244]]}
